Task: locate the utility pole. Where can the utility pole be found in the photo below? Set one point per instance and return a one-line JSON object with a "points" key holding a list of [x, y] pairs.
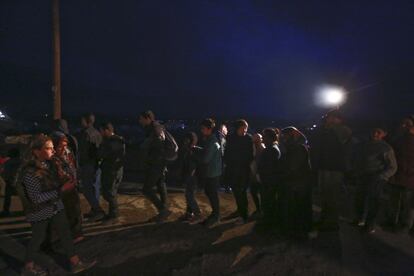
{"points": [[56, 89]]}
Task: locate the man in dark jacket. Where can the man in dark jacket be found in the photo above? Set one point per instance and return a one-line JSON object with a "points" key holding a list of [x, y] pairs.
{"points": [[295, 190], [237, 157], [376, 164], [212, 162], [89, 141], [330, 155], [154, 164], [402, 197], [188, 160], [268, 168], [111, 154]]}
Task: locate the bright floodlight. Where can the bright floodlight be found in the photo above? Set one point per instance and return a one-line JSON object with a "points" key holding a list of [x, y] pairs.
{"points": [[330, 96]]}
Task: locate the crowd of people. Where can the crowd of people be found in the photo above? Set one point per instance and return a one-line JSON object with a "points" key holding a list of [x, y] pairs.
{"points": [[278, 167]]}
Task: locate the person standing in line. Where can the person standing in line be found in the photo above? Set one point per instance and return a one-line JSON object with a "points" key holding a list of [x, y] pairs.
{"points": [[376, 164], [189, 156], [330, 157], [38, 186], [65, 163], [111, 155], [268, 168], [258, 148], [154, 165], [89, 141], [211, 159], [238, 157]]}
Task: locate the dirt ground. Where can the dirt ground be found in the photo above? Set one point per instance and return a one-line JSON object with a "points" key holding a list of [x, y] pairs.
{"points": [[134, 247]]}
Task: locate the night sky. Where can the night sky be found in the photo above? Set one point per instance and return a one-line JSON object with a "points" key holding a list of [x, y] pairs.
{"points": [[190, 58]]}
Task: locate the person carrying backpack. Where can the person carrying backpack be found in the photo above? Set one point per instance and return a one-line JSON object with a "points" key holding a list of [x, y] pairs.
{"points": [[157, 149]]}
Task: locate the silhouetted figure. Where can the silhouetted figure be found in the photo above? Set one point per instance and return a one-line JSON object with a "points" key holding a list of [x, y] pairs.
{"points": [[255, 184], [212, 162], [376, 164], [402, 195], [111, 155], [89, 141], [237, 158], [294, 206], [154, 164], [189, 159], [269, 175], [330, 158]]}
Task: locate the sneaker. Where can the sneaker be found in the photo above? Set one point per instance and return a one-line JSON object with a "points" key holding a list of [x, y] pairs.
{"points": [[97, 216], [360, 223], [240, 221], [256, 215], [233, 215], [78, 239], [161, 217], [35, 270], [88, 215], [370, 229], [186, 217], [211, 222], [196, 217], [109, 221], [82, 266]]}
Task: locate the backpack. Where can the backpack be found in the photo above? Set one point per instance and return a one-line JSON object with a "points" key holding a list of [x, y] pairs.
{"points": [[170, 147]]}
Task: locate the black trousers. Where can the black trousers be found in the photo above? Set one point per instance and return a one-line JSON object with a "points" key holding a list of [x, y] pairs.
{"points": [[190, 184], [9, 192], [255, 192], [89, 188], [238, 178], [211, 185], [269, 202], [110, 181], [73, 211], [294, 207], [400, 211], [156, 179], [368, 198], [59, 223]]}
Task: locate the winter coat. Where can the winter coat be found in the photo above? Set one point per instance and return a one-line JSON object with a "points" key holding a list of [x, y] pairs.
{"points": [[377, 159], [112, 153], [152, 149], [89, 141], [211, 158], [404, 149], [239, 151], [268, 166], [330, 149], [295, 166]]}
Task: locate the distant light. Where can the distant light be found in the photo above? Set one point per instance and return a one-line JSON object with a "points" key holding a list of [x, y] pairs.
{"points": [[314, 126], [330, 96], [2, 115]]}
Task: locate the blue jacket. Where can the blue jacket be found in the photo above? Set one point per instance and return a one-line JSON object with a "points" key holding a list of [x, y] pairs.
{"points": [[212, 157]]}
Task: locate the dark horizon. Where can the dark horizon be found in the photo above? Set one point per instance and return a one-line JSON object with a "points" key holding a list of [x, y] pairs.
{"points": [[201, 58]]}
